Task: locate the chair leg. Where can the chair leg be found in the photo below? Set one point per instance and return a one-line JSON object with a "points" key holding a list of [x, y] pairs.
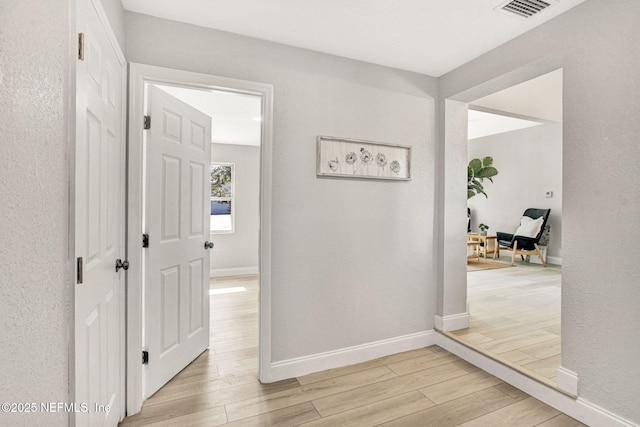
{"points": [[513, 252], [544, 263]]}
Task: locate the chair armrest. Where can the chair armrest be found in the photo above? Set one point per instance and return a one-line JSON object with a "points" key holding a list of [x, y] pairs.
{"points": [[504, 237], [525, 243]]}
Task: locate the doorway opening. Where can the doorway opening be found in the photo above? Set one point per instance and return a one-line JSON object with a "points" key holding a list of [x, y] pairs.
{"points": [[252, 163], [234, 230], [514, 311]]}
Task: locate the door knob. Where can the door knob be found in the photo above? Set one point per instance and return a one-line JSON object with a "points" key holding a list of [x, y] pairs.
{"points": [[208, 245], [122, 264]]}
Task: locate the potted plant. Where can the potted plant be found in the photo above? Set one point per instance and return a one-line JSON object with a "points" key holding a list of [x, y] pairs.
{"points": [[477, 171], [483, 229]]}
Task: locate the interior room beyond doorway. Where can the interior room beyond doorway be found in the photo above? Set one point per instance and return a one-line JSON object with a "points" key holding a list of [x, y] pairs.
{"points": [[235, 220], [514, 311]]}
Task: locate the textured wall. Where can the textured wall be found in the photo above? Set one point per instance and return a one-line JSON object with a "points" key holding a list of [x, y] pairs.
{"points": [[529, 162], [352, 260], [34, 285], [599, 48], [239, 250], [453, 287]]}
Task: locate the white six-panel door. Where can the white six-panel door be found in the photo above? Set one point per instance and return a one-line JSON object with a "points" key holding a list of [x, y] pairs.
{"points": [[99, 225], [177, 221]]}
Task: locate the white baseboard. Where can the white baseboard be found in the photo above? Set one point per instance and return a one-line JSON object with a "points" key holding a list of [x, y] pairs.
{"points": [[567, 380], [348, 356], [452, 322], [534, 259], [600, 417], [554, 260], [578, 408], [240, 271]]}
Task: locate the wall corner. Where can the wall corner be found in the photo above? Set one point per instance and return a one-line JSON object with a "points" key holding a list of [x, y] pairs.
{"points": [[567, 381]]}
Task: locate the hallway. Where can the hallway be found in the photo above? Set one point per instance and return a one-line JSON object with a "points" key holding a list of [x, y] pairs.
{"points": [[422, 387]]}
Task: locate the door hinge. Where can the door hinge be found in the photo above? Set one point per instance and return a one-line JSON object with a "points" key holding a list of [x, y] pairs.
{"points": [[122, 265], [145, 357], [81, 46], [147, 122], [80, 270], [145, 240]]}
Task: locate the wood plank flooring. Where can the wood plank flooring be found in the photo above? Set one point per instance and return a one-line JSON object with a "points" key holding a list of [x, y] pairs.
{"points": [[515, 318], [424, 387]]}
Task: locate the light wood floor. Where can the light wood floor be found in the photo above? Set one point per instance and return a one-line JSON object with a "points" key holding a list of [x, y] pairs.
{"points": [[515, 317], [425, 387]]}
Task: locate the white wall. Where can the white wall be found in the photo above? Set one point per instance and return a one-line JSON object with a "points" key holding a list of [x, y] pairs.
{"points": [[351, 259], [237, 253], [34, 177], [345, 270], [115, 15], [529, 163], [540, 98], [598, 47]]}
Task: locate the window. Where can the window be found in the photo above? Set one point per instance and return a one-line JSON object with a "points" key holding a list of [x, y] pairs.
{"points": [[222, 197]]}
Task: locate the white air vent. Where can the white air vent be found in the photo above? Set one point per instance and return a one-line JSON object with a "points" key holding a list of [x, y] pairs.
{"points": [[524, 8]]}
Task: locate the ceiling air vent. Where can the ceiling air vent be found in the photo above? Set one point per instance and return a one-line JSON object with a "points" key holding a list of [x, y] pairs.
{"points": [[525, 8]]}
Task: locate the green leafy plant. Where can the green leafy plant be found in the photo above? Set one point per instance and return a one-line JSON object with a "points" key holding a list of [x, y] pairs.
{"points": [[483, 227], [477, 171], [220, 180]]}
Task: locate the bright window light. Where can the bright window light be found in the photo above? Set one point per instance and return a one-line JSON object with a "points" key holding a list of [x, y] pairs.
{"points": [[222, 197], [227, 290]]}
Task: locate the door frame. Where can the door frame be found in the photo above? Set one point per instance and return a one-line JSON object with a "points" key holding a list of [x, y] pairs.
{"points": [[452, 311], [139, 76], [71, 135], [452, 287]]}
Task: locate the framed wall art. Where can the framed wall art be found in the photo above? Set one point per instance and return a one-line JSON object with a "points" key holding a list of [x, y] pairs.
{"points": [[353, 158]]}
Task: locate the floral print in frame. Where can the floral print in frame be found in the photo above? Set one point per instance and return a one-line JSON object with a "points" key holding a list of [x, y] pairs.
{"points": [[353, 158]]}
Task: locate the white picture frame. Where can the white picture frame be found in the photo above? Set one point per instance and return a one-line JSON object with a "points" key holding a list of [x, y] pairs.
{"points": [[354, 158]]}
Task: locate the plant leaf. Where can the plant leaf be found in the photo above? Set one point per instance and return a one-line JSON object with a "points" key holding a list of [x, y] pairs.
{"points": [[475, 165], [476, 187], [477, 170], [486, 172]]}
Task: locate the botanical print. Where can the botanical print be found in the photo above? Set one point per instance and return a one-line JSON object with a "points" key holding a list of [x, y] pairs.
{"points": [[334, 165], [351, 158], [365, 158], [395, 167], [381, 161], [341, 157]]}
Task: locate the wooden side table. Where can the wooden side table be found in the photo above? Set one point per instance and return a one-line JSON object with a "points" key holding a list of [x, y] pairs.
{"points": [[475, 249], [486, 240]]}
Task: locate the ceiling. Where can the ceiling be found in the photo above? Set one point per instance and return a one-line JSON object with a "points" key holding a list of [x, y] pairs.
{"points": [[483, 123], [235, 117], [431, 37], [531, 103], [539, 98]]}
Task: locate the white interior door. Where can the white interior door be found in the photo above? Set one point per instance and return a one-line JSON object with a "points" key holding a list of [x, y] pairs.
{"points": [[99, 225], [177, 221]]}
